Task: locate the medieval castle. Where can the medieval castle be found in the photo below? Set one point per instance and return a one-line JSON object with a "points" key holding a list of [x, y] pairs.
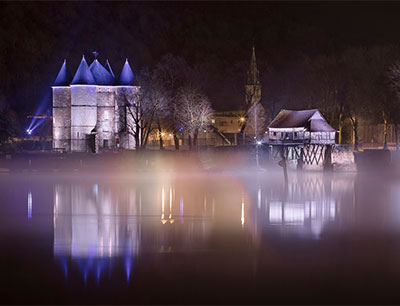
{"points": [[89, 110]]}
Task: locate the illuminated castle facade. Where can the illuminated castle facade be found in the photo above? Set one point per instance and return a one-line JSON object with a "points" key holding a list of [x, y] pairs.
{"points": [[90, 109]]}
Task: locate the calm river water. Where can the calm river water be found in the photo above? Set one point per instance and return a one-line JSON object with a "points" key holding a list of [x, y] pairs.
{"points": [[201, 238]]}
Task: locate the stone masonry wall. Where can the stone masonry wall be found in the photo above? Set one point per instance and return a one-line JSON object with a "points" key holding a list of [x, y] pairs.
{"points": [[62, 118], [83, 115]]}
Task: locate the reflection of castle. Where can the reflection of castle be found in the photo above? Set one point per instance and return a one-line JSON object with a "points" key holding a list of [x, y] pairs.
{"points": [[90, 228], [95, 225]]}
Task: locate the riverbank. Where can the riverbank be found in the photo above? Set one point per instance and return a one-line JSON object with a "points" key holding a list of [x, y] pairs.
{"points": [[208, 159]]}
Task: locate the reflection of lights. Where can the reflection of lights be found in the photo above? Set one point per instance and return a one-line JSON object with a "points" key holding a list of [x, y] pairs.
{"points": [[98, 274], [242, 218], [259, 198], [96, 189], [171, 220], [128, 267], [181, 209], [275, 212], [29, 205], [293, 213], [163, 220]]}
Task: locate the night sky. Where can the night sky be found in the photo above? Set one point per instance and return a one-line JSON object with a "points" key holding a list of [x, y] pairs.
{"points": [[35, 37]]}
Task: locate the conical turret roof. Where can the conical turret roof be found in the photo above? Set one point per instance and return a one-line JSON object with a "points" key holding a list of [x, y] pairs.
{"points": [[108, 67], [63, 77], [101, 75], [83, 75], [126, 77]]}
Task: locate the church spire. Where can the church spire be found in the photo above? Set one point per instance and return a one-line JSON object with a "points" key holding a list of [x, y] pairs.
{"points": [[253, 85], [253, 75]]}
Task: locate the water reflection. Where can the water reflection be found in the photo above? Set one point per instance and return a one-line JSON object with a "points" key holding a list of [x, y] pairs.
{"points": [[306, 206], [91, 227], [166, 232], [96, 223]]}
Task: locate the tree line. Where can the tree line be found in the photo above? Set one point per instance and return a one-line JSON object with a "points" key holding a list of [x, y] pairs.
{"points": [[356, 84]]}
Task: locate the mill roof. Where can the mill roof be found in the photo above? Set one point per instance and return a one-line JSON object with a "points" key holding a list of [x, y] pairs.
{"points": [[101, 75], [83, 75], [126, 77], [311, 119], [63, 77]]}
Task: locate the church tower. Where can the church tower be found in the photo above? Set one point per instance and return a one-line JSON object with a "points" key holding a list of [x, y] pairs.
{"points": [[253, 86]]}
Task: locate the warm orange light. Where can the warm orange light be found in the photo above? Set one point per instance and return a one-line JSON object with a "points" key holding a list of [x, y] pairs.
{"points": [[242, 119]]}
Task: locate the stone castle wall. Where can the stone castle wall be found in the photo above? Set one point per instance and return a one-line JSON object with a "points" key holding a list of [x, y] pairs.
{"points": [[83, 115], [78, 109], [62, 118], [106, 116]]}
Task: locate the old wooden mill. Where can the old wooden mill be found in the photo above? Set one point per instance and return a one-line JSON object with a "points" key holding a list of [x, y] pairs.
{"points": [[301, 136]]}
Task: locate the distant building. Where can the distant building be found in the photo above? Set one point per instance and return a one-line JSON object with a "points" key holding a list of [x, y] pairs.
{"points": [[300, 127], [232, 127], [89, 110]]}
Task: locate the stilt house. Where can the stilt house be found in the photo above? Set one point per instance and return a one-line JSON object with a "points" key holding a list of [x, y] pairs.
{"points": [[300, 127]]}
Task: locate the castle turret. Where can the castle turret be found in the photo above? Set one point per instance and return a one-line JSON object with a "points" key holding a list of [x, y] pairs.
{"points": [[108, 67], [126, 77], [62, 110], [101, 75]]}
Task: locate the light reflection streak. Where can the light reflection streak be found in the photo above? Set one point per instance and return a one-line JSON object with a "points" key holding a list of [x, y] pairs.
{"points": [[242, 216], [163, 220], [181, 209], [29, 205], [171, 220]]}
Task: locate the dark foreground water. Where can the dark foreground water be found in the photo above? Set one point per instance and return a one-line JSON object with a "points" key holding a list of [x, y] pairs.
{"points": [[199, 238]]}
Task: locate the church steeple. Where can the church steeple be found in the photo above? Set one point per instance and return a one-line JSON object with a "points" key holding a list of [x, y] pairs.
{"points": [[253, 75], [253, 85]]}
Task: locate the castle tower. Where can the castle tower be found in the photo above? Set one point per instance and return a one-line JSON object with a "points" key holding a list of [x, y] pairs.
{"points": [[105, 97], [62, 109], [83, 107], [253, 86]]}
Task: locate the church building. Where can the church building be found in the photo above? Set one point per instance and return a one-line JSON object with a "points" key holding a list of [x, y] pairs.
{"points": [[90, 108]]}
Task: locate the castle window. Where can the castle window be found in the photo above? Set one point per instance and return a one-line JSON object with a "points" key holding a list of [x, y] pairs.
{"points": [[99, 89]]}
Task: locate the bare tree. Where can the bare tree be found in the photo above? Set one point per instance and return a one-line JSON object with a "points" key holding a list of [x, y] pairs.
{"points": [[144, 108], [393, 75], [173, 72], [256, 120], [193, 112]]}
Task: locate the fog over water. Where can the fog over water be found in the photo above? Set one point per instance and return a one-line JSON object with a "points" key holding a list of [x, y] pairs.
{"points": [[171, 238]]}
